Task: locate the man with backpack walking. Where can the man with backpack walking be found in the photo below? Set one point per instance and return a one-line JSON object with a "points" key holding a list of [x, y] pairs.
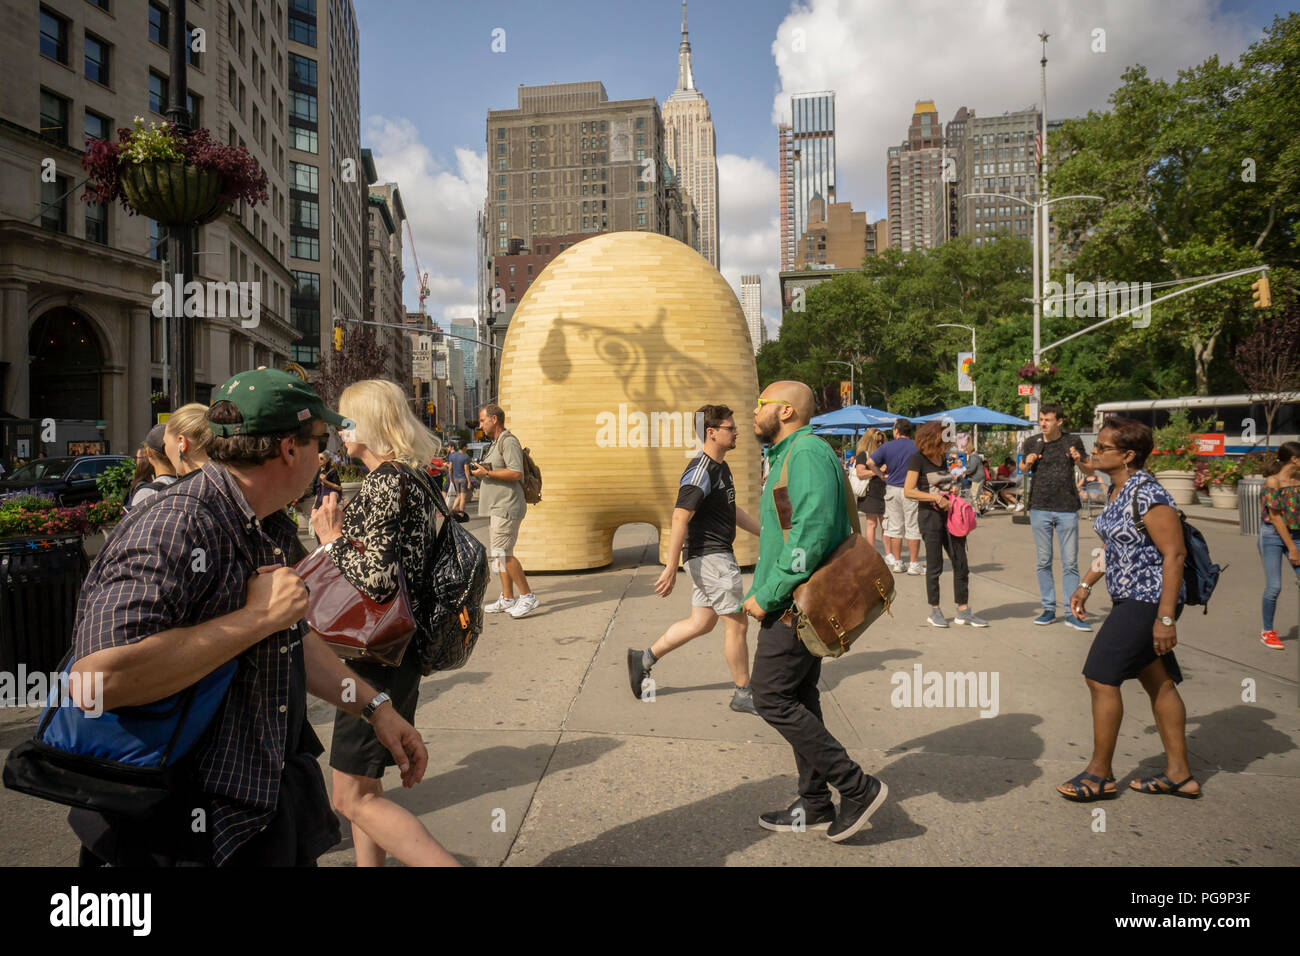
{"points": [[808, 501], [501, 500]]}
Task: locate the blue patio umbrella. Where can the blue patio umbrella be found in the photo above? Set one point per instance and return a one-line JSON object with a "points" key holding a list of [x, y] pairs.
{"points": [[855, 416], [976, 415]]}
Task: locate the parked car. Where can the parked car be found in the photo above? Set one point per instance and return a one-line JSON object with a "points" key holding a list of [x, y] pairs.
{"points": [[70, 480]]}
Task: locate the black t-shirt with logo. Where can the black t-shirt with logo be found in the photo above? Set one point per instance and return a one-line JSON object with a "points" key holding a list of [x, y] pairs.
{"points": [[1053, 487], [708, 490], [932, 479]]}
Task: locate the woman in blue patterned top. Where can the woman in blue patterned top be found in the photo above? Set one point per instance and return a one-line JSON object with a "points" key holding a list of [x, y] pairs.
{"points": [[1143, 566]]}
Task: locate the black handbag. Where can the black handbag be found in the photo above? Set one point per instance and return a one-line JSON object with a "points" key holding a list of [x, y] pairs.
{"points": [[455, 577]]}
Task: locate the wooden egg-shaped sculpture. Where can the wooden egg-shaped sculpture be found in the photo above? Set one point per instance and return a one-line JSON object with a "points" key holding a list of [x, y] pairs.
{"points": [[608, 356]]}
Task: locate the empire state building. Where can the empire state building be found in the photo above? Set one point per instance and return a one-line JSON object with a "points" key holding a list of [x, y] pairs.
{"points": [[690, 148]]}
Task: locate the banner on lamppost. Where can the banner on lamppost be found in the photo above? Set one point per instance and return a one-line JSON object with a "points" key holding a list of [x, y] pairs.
{"points": [[846, 394], [964, 361]]}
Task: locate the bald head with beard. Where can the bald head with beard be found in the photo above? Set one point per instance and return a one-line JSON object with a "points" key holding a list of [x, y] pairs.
{"points": [[790, 407]]}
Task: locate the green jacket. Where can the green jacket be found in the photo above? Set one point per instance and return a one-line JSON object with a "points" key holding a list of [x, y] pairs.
{"points": [[819, 520]]}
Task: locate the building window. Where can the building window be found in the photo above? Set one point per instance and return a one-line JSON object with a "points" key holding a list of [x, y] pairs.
{"points": [[158, 24], [302, 70], [54, 205], [96, 60], [501, 194], [192, 104], [502, 242], [304, 213], [96, 223], [640, 202], [305, 247], [302, 106], [640, 154], [501, 132], [102, 4], [640, 219], [501, 149], [54, 118], [54, 36], [501, 164], [304, 177], [157, 92], [157, 240], [302, 31], [640, 122], [96, 126], [304, 139]]}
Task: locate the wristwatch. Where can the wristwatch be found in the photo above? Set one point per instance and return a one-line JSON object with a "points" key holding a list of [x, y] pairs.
{"points": [[1087, 587], [1167, 621], [369, 710]]}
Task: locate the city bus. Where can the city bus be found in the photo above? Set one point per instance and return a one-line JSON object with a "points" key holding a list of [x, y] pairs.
{"points": [[1227, 413]]}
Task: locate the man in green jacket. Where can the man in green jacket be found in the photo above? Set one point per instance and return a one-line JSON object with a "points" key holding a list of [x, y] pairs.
{"points": [[785, 674]]}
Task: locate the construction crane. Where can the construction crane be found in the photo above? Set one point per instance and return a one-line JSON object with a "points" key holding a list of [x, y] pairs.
{"points": [[422, 277]]}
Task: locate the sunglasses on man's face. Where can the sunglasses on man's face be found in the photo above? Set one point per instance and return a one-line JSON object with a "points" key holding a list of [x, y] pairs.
{"points": [[771, 401], [322, 441]]}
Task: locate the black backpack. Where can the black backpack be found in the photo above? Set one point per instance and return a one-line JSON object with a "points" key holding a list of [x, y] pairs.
{"points": [[1200, 573]]}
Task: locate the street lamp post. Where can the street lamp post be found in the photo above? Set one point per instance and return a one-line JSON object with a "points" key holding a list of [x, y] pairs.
{"points": [[852, 393], [180, 344], [974, 389], [1039, 208]]}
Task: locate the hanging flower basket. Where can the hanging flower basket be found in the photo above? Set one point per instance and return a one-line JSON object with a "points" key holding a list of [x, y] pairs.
{"points": [[173, 193], [176, 178]]}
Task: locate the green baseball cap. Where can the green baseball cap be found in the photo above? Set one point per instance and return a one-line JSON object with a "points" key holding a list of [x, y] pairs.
{"points": [[272, 402]]}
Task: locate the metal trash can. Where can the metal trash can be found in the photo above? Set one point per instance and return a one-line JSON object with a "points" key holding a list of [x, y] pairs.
{"points": [[40, 581], [1249, 492]]}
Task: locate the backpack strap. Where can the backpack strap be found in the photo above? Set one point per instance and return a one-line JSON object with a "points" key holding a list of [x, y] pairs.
{"points": [[784, 512]]}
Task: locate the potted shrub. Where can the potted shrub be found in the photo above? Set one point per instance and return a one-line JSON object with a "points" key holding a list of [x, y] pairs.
{"points": [[176, 178], [1173, 460], [350, 477], [1222, 479]]}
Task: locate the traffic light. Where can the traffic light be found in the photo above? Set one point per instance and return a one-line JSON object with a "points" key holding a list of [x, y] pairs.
{"points": [[1259, 292], [338, 338], [429, 408]]}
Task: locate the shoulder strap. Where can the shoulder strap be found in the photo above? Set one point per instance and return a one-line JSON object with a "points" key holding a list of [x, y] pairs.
{"points": [[783, 481]]}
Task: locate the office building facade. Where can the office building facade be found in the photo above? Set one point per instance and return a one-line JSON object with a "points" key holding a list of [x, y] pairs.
{"points": [[807, 165], [917, 198], [751, 303], [691, 150]]}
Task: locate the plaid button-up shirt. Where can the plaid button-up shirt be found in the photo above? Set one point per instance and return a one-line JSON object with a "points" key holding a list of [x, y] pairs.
{"points": [[181, 559]]}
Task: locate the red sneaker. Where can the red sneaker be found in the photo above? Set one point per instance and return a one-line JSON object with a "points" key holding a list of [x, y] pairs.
{"points": [[1270, 639]]}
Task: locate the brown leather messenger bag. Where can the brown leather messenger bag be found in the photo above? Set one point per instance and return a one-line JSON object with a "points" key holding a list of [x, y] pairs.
{"points": [[847, 592]]}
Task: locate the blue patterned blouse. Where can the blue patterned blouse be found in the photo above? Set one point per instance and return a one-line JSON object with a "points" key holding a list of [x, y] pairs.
{"points": [[1133, 563]]}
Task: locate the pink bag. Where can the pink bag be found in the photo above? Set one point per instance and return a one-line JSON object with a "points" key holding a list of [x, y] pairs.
{"points": [[961, 516]]}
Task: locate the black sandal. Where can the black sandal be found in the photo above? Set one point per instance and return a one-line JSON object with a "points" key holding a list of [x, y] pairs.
{"points": [[1084, 794], [1148, 785]]}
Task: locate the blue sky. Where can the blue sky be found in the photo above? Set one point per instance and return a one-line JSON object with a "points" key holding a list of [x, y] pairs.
{"points": [[429, 76]]}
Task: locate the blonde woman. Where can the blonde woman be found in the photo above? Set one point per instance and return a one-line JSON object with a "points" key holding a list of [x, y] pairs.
{"points": [[393, 444], [186, 438], [872, 505]]}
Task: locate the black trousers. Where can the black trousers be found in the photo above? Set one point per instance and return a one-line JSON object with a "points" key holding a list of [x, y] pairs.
{"points": [[938, 540], [785, 695]]}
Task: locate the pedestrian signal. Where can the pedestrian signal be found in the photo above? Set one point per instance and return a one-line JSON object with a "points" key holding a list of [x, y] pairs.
{"points": [[1260, 293]]}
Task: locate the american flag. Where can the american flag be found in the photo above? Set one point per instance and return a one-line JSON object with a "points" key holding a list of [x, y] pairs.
{"points": [[1038, 147]]}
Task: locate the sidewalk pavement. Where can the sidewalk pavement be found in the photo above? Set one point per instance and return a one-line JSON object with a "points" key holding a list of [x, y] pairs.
{"points": [[540, 755]]}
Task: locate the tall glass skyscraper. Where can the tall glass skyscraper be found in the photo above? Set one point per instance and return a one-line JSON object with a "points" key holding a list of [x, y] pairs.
{"points": [[810, 163]]}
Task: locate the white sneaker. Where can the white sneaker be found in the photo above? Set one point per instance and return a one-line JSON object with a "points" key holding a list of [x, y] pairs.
{"points": [[915, 568], [524, 604], [502, 603], [1019, 507]]}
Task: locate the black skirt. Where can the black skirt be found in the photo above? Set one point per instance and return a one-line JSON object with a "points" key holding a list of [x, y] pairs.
{"points": [[1124, 646], [355, 749]]}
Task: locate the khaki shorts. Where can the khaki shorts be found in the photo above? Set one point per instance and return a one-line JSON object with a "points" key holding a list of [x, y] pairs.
{"points": [[502, 535], [900, 515], [715, 580]]}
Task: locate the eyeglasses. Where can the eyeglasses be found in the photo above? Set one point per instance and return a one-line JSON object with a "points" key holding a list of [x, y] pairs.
{"points": [[1100, 446], [730, 428], [772, 401], [322, 441]]}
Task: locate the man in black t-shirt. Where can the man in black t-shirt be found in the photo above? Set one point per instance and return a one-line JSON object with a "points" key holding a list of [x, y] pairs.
{"points": [[704, 521], [1054, 504]]}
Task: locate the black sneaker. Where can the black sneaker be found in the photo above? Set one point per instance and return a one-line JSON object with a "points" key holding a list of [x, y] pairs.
{"points": [[787, 821], [460, 517], [742, 700], [853, 815], [636, 671]]}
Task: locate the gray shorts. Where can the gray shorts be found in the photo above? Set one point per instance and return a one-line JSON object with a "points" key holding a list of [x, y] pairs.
{"points": [[715, 580], [459, 486]]}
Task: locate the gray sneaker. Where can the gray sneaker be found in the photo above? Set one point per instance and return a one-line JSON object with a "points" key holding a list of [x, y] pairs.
{"points": [[936, 618], [742, 701], [966, 617]]}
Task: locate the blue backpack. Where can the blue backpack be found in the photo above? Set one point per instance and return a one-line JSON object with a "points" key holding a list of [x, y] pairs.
{"points": [[1200, 573], [126, 762]]}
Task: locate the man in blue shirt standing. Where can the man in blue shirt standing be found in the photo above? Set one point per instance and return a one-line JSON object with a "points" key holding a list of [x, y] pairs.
{"points": [[459, 462], [900, 511]]}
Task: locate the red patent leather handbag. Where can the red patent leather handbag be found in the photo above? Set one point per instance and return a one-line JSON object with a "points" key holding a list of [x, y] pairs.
{"points": [[355, 625]]}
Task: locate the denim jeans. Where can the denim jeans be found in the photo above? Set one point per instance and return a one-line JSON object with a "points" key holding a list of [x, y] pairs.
{"points": [[1066, 524], [1273, 553]]}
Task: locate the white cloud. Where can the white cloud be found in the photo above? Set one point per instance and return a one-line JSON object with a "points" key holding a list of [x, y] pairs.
{"points": [[441, 204], [881, 56], [750, 234]]}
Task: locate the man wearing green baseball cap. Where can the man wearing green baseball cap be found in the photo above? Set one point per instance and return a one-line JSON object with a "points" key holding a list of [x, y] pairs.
{"points": [[202, 575]]}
